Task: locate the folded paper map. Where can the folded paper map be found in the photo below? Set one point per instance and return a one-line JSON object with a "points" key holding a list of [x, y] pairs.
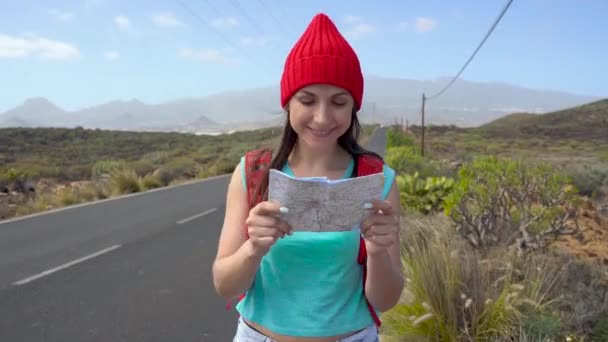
{"points": [[322, 205]]}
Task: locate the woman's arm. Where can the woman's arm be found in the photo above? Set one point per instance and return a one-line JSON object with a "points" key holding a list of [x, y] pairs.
{"points": [[236, 263], [384, 282]]}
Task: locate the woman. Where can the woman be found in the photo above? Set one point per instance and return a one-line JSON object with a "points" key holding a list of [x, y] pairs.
{"points": [[306, 286]]}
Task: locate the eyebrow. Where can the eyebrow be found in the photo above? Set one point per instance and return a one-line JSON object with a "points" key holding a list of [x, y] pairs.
{"points": [[313, 94]]}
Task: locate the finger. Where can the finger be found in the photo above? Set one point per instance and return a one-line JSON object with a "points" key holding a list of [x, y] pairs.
{"points": [[266, 242], [384, 205], [269, 222], [261, 232], [382, 240], [385, 229], [267, 208], [260, 221], [382, 219], [378, 219]]}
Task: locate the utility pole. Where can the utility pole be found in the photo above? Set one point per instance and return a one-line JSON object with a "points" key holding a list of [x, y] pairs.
{"points": [[422, 140]]}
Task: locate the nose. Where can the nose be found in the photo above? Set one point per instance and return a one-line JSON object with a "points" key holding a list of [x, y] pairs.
{"points": [[322, 114]]}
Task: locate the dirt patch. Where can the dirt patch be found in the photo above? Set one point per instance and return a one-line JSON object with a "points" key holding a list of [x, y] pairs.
{"points": [[590, 243]]}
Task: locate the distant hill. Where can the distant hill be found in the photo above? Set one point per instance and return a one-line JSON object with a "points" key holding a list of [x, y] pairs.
{"points": [[588, 122], [33, 112], [466, 104]]}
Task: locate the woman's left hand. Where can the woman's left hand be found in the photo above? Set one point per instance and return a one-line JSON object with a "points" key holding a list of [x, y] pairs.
{"points": [[380, 228]]}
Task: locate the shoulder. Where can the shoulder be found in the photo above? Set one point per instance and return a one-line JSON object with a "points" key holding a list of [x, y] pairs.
{"points": [[237, 179]]}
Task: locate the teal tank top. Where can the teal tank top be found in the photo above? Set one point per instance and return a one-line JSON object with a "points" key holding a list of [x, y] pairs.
{"points": [[310, 284]]}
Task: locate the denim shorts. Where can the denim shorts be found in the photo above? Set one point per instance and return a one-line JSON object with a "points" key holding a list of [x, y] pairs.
{"points": [[245, 333]]}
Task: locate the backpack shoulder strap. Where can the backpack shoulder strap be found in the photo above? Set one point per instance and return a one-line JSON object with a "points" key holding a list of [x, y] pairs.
{"points": [[257, 164], [367, 164]]}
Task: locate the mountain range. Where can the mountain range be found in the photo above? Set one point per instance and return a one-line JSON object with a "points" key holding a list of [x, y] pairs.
{"points": [[464, 104]]}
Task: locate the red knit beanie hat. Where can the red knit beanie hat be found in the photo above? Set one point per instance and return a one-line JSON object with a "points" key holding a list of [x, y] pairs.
{"points": [[322, 55]]}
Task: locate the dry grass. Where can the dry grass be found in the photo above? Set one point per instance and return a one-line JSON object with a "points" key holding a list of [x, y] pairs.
{"points": [[454, 293]]}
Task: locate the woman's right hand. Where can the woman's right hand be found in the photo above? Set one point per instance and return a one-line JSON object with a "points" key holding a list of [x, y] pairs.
{"points": [[265, 227]]}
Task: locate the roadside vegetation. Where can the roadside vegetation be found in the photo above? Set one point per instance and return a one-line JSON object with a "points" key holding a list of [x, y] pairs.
{"points": [[505, 230], [46, 168]]}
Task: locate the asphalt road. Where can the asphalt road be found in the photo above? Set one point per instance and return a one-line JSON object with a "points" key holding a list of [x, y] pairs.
{"points": [[136, 268]]}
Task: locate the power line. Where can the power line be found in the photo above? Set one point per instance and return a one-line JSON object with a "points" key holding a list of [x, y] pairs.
{"points": [[283, 30], [425, 98], [222, 36], [504, 10], [254, 23]]}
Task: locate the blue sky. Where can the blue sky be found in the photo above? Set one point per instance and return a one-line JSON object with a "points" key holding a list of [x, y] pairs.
{"points": [[81, 53]]}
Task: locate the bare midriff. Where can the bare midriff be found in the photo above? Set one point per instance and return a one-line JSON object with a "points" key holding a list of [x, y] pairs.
{"points": [[284, 338]]}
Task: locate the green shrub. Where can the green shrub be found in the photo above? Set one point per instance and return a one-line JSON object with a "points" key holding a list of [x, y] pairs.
{"points": [[225, 165], [395, 138], [588, 179], [424, 195], [156, 157], [176, 169], [600, 330], [181, 167], [407, 160], [107, 167], [497, 200], [76, 172], [143, 167], [541, 325], [13, 175], [4, 181]]}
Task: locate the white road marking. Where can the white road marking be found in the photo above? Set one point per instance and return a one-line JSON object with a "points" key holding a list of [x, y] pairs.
{"points": [[196, 216], [64, 266]]}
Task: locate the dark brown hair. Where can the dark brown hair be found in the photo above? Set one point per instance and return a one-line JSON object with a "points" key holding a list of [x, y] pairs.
{"points": [[348, 141]]}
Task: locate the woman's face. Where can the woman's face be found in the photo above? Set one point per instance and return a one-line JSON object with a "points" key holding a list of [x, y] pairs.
{"points": [[320, 114]]}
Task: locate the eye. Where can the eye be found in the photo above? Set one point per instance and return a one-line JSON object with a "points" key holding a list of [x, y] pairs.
{"points": [[306, 100], [340, 101]]}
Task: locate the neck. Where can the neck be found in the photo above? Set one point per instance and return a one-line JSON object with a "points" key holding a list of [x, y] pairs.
{"points": [[330, 158]]}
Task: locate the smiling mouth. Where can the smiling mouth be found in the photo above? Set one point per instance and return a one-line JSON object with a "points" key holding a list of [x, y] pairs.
{"points": [[320, 133]]}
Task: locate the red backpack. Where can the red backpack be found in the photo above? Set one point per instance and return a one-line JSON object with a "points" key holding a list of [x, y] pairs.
{"points": [[257, 164]]}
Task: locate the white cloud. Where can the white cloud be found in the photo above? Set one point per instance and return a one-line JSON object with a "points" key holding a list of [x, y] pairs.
{"points": [[111, 55], [425, 24], [404, 25], [212, 56], [123, 22], [356, 27], [254, 41], [166, 20], [359, 31], [20, 47], [351, 19], [61, 15], [222, 23]]}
